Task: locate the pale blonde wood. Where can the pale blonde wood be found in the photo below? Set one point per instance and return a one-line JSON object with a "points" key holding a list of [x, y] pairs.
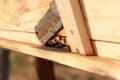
{"points": [[103, 19], [20, 36], [22, 15], [74, 26], [100, 65], [107, 49]]}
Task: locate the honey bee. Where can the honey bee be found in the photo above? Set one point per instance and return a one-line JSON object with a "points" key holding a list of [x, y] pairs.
{"points": [[58, 41]]}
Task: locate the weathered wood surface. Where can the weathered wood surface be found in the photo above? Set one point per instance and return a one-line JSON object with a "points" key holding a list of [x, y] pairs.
{"points": [[49, 25], [74, 26], [22, 15], [107, 49], [45, 69], [45, 29], [100, 65], [18, 19], [103, 19], [23, 37]]}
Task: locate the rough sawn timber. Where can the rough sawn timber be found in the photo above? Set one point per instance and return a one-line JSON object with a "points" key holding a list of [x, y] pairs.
{"points": [[22, 15], [23, 37], [74, 26], [100, 65], [103, 23], [103, 19], [18, 19]]}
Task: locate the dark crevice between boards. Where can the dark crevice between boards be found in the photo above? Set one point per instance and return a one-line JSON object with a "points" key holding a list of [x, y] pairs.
{"points": [[58, 40]]}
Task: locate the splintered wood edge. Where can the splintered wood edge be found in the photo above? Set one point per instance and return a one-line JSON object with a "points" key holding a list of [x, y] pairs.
{"points": [[100, 65], [74, 25]]}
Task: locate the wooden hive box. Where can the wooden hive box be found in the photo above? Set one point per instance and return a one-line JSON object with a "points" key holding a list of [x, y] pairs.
{"points": [[92, 28], [100, 18]]}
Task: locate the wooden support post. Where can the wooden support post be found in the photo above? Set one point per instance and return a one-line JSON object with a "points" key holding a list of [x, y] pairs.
{"points": [[74, 25], [1, 62], [44, 69], [4, 64]]}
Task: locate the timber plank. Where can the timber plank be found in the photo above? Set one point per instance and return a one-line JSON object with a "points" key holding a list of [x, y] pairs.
{"points": [[49, 25], [74, 26], [23, 37], [107, 49], [22, 15], [110, 67], [103, 19]]}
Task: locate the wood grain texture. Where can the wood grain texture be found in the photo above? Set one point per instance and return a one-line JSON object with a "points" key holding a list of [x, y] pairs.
{"points": [[22, 15], [23, 37], [74, 26], [103, 19], [107, 49], [100, 65]]}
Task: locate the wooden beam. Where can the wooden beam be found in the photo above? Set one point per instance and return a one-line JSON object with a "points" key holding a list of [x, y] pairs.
{"points": [[103, 19], [24, 37], [107, 49], [74, 26], [110, 67]]}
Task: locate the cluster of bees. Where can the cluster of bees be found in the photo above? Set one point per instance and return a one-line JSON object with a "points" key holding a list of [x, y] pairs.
{"points": [[59, 41]]}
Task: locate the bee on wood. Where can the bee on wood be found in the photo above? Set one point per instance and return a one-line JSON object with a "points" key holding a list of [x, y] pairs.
{"points": [[58, 41]]}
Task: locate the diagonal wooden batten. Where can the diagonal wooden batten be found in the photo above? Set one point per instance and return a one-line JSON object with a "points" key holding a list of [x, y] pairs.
{"points": [[22, 15], [74, 26]]}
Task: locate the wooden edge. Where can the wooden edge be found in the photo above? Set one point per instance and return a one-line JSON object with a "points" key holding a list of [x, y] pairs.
{"points": [[74, 25], [103, 21], [100, 65], [24, 37], [107, 49]]}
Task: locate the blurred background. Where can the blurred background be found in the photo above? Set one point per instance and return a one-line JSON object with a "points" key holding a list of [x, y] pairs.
{"points": [[22, 67]]}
